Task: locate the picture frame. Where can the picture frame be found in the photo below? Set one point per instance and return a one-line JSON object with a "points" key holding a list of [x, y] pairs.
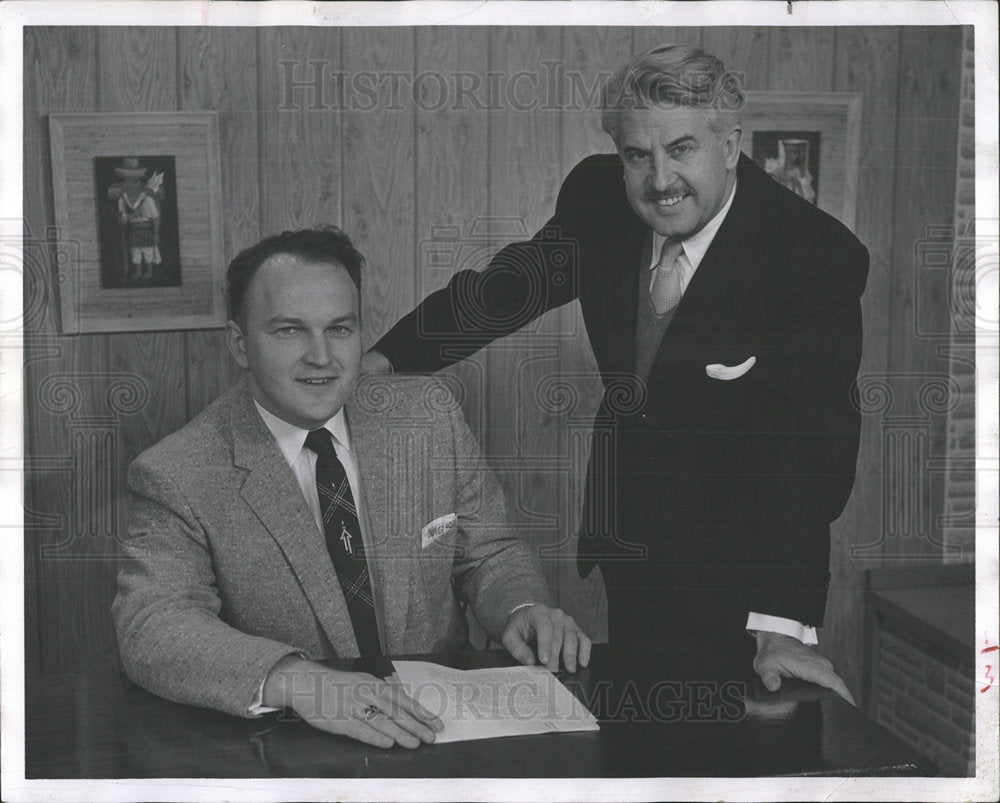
{"points": [[138, 200], [810, 141]]}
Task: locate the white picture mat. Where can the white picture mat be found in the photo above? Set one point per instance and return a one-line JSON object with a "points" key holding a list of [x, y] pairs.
{"points": [[192, 138]]}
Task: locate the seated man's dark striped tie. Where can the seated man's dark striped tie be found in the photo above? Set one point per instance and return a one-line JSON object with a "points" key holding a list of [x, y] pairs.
{"points": [[343, 540]]}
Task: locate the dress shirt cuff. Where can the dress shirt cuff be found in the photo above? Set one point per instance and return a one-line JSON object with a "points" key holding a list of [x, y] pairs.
{"points": [[778, 624], [515, 609], [257, 707]]}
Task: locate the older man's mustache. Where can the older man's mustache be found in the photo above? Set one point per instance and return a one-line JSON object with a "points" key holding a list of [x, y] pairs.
{"points": [[673, 192]]}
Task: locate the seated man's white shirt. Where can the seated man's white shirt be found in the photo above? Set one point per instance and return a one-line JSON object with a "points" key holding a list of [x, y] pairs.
{"points": [[693, 250], [291, 442]]}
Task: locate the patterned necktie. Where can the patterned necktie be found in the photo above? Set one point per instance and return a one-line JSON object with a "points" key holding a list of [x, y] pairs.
{"points": [[343, 541], [666, 290]]}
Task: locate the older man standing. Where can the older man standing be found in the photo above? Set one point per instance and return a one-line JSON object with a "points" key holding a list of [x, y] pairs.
{"points": [[734, 307], [300, 518]]}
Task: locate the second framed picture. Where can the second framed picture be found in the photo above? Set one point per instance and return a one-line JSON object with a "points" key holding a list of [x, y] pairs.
{"points": [[810, 143]]}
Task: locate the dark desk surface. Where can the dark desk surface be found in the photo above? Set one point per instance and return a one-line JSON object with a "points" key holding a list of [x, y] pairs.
{"points": [[664, 710]]}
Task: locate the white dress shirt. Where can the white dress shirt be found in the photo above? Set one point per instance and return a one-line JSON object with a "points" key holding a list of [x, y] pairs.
{"points": [[693, 250], [291, 443]]}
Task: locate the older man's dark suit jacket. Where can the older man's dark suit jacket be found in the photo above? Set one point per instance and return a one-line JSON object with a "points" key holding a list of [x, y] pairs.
{"points": [[717, 495]]}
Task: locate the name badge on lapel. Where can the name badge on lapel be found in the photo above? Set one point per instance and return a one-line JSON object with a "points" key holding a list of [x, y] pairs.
{"points": [[433, 531]]}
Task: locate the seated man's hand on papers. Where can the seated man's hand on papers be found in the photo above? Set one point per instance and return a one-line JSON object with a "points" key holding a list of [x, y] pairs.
{"points": [[548, 633], [352, 704]]}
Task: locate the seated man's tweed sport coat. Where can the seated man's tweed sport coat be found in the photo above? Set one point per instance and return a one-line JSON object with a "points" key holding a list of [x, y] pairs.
{"points": [[226, 571]]}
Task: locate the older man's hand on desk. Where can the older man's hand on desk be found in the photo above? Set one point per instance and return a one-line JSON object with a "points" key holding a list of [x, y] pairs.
{"points": [[352, 704], [553, 634], [780, 656]]}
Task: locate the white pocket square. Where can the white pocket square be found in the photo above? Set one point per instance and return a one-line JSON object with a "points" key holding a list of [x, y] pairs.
{"points": [[720, 371], [433, 531]]}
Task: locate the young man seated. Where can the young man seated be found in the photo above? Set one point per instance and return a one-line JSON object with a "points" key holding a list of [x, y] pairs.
{"points": [[305, 515]]}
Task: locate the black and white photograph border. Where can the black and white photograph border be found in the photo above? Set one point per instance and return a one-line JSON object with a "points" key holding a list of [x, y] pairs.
{"points": [[937, 408]]}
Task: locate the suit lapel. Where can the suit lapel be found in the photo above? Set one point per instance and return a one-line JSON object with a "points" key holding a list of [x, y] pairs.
{"points": [[616, 267], [391, 560], [272, 493]]}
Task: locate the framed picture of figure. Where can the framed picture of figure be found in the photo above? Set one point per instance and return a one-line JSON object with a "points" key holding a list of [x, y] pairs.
{"points": [[137, 219], [137, 202]]}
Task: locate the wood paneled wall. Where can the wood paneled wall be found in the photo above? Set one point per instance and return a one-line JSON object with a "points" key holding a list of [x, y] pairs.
{"points": [[393, 177]]}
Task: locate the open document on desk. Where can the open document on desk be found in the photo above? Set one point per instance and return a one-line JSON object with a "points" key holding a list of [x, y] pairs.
{"points": [[487, 703]]}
